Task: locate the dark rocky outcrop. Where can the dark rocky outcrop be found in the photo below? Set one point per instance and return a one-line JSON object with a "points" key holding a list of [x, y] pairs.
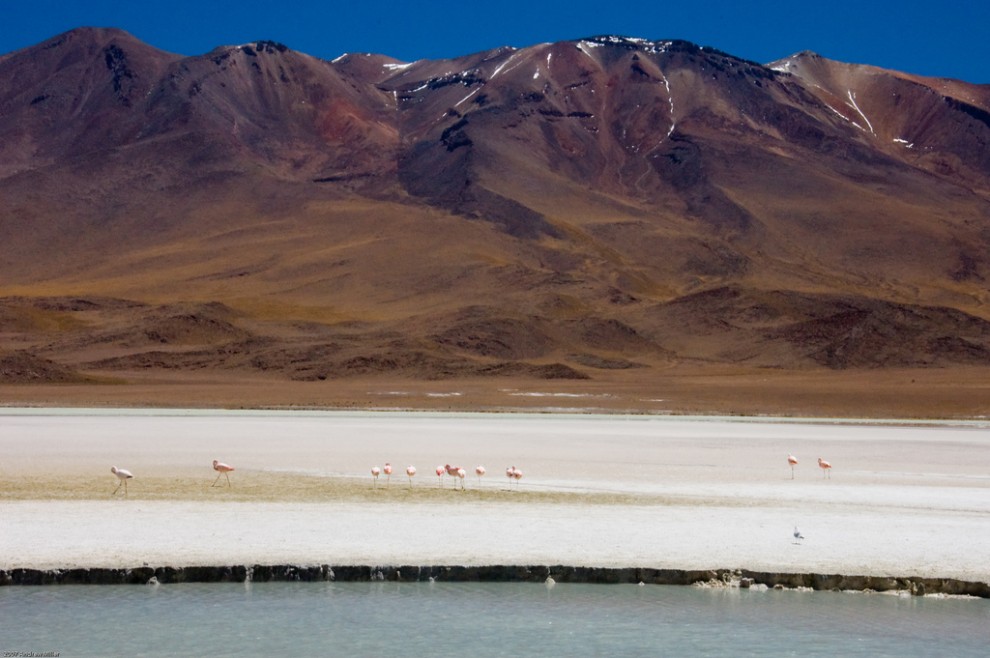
{"points": [[917, 586]]}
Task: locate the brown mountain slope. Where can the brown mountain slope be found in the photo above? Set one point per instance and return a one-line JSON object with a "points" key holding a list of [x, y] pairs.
{"points": [[566, 210]]}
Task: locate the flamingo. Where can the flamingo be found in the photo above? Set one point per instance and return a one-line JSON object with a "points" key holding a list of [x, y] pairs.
{"points": [[222, 469], [440, 472], [479, 471], [826, 468], [452, 472], [410, 471], [509, 473], [122, 475], [388, 473], [461, 473], [375, 472], [792, 460], [516, 474]]}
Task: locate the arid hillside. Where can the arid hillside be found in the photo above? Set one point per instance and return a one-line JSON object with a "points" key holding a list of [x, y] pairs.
{"points": [[611, 211]]}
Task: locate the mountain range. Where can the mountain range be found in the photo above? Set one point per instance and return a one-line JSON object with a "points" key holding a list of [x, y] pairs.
{"points": [[578, 210]]}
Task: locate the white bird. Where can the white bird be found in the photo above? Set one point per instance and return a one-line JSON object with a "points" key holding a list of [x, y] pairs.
{"points": [[122, 475], [797, 533]]}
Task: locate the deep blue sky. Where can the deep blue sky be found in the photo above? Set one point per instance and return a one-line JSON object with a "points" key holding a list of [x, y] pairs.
{"points": [[950, 38]]}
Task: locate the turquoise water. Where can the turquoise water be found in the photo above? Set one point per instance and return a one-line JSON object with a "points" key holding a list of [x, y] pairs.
{"points": [[480, 619]]}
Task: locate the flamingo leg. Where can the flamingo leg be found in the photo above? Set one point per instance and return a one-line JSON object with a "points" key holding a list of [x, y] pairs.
{"points": [[117, 489], [217, 480], [227, 475]]}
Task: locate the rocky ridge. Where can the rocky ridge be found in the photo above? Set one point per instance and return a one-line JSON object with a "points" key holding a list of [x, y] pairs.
{"points": [[562, 210]]}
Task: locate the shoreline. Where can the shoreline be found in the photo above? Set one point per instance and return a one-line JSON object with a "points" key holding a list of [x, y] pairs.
{"points": [[550, 575], [904, 393], [28, 410], [599, 493]]}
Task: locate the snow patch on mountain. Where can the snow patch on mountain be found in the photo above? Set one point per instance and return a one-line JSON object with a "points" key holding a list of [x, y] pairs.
{"points": [[852, 103]]}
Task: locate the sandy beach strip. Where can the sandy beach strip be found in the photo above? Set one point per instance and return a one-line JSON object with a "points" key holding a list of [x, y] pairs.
{"points": [[598, 491]]}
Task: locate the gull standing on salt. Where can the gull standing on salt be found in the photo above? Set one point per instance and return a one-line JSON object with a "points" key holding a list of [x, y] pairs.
{"points": [[826, 468], [122, 475], [410, 471], [222, 469], [792, 460], [797, 534]]}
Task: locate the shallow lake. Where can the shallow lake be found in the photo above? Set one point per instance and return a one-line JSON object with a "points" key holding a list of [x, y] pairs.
{"points": [[480, 619]]}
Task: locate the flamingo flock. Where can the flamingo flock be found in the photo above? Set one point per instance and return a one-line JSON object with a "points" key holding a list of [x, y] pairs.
{"points": [[123, 475], [826, 466], [457, 474], [512, 473]]}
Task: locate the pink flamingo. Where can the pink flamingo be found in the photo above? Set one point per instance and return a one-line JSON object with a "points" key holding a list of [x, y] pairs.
{"points": [[479, 471], [460, 474], [792, 460], [375, 472], [410, 471], [826, 468], [122, 475], [452, 472], [388, 474], [516, 474], [222, 469], [509, 473], [440, 472]]}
